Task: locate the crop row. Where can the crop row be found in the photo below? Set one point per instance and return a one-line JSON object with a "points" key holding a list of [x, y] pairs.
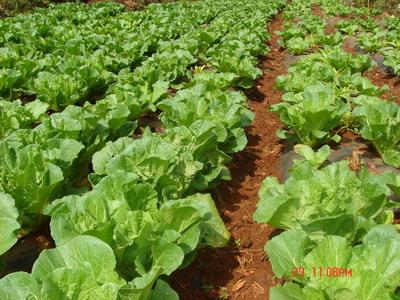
{"points": [[336, 215], [63, 61], [374, 35], [96, 57], [142, 216]]}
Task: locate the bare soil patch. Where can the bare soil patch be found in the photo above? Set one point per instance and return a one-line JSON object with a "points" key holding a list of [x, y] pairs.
{"points": [[381, 77]]}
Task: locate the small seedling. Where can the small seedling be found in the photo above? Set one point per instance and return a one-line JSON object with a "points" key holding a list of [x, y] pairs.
{"points": [[237, 242], [223, 293]]}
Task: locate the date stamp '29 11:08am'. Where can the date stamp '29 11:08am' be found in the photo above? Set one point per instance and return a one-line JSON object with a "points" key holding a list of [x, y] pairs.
{"points": [[323, 272]]}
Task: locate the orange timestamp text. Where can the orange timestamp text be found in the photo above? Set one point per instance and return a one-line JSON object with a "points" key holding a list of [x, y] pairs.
{"points": [[323, 272]]}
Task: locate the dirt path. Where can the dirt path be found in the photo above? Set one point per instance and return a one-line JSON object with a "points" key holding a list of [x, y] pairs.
{"points": [[241, 270]]}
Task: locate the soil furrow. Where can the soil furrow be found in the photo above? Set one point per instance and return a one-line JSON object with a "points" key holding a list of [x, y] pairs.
{"points": [[241, 270]]}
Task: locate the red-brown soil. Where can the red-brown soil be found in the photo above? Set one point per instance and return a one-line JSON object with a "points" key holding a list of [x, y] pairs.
{"points": [[317, 10], [380, 77], [241, 270]]}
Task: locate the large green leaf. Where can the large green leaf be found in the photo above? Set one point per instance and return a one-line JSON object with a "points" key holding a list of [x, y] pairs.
{"points": [[287, 251], [83, 268], [162, 291], [8, 222], [19, 286]]}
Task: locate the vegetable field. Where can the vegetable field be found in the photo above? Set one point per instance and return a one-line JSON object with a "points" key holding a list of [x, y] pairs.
{"points": [[211, 149]]}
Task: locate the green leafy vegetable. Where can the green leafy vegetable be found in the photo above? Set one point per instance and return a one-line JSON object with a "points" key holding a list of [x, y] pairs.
{"points": [[331, 200], [8, 222], [312, 114], [380, 124], [71, 269], [366, 271]]}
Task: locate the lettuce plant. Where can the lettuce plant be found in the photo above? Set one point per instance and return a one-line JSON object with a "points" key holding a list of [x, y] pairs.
{"points": [[149, 239], [8, 79], [392, 59], [227, 110], [370, 269], [29, 177], [311, 115], [59, 90], [84, 267], [14, 115], [380, 124], [330, 200], [182, 161]]}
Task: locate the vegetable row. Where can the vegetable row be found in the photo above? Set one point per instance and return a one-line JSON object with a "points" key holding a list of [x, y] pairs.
{"points": [[374, 35], [326, 92], [64, 60], [335, 218], [319, 26]]}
